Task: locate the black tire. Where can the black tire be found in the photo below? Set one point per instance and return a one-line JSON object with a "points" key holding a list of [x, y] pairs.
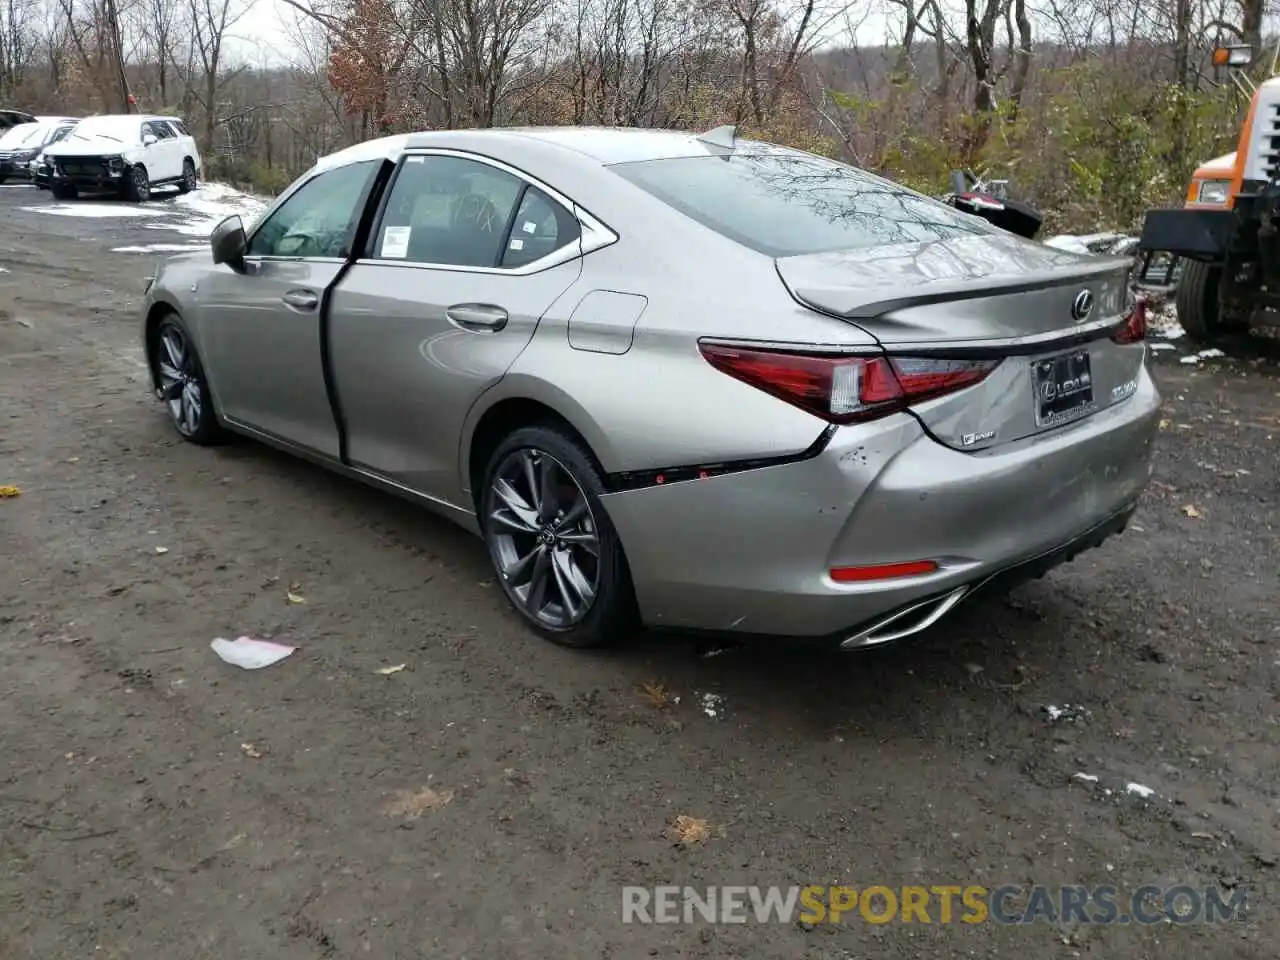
{"points": [[611, 610], [3, 179], [203, 428], [188, 181], [62, 191], [138, 186], [1197, 303]]}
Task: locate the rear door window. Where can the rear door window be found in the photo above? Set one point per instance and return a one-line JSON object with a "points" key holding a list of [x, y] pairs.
{"points": [[456, 212], [784, 203]]}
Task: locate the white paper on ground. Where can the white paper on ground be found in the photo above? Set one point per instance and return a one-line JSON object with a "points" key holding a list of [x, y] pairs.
{"points": [[249, 653], [395, 242]]}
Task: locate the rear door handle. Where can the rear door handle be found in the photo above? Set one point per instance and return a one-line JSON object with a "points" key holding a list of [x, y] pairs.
{"points": [[301, 299], [477, 316]]}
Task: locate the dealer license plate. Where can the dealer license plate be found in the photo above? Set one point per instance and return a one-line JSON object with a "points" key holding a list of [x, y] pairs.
{"points": [[1063, 387]]}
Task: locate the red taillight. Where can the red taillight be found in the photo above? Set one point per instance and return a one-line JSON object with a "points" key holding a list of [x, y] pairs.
{"points": [[1135, 324], [845, 389]]}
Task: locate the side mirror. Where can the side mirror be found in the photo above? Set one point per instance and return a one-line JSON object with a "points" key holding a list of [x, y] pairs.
{"points": [[228, 241], [149, 139]]}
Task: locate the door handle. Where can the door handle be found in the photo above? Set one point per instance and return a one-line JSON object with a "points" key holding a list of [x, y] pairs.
{"points": [[477, 316], [301, 299]]}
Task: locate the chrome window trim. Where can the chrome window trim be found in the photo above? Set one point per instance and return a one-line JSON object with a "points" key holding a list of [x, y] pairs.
{"points": [[594, 234]]}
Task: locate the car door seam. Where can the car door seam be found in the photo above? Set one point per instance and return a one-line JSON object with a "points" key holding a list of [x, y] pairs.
{"points": [[375, 189]]}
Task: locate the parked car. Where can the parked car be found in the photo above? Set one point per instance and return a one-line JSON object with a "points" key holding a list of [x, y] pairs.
{"points": [[29, 143], [126, 155], [723, 384], [10, 117]]}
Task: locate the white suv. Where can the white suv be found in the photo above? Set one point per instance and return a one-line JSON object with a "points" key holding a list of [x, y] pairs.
{"points": [[123, 154]]}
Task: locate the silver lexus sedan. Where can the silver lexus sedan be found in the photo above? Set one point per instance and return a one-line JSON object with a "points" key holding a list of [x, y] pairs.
{"points": [[711, 383]]}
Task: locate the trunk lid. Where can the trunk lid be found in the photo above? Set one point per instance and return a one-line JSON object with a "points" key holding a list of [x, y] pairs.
{"points": [[992, 296]]}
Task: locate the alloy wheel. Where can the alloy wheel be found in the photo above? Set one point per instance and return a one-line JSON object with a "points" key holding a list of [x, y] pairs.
{"points": [[181, 388], [141, 185], [544, 539], [189, 176]]}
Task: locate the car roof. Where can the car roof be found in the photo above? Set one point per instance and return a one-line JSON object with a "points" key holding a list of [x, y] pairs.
{"points": [[605, 145]]}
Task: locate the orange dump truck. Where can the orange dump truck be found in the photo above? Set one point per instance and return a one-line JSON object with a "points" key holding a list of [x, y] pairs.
{"points": [[1225, 237]]}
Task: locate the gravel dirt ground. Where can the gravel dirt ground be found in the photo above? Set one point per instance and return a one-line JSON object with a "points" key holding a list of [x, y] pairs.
{"points": [[491, 799]]}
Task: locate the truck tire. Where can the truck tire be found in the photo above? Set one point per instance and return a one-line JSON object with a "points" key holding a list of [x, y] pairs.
{"points": [[1197, 304]]}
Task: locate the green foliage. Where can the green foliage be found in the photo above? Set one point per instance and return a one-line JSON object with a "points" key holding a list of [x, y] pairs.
{"points": [[1101, 150], [1091, 148], [256, 177]]}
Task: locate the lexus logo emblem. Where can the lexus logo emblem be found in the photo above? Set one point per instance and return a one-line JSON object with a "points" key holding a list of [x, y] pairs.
{"points": [[1082, 306]]}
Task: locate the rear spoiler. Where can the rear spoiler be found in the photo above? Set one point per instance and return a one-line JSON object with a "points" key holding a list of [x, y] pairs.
{"points": [[987, 287]]}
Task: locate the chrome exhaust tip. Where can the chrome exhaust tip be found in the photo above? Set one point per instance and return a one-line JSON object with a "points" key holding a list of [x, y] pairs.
{"points": [[904, 623]]}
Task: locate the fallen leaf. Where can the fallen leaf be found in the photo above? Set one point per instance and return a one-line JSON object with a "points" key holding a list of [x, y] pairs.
{"points": [[1191, 511], [411, 805], [656, 694], [295, 597], [250, 751], [388, 671], [687, 830], [1164, 424], [9, 492], [1200, 835]]}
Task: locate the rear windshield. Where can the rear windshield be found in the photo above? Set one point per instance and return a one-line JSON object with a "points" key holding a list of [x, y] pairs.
{"points": [[787, 204]]}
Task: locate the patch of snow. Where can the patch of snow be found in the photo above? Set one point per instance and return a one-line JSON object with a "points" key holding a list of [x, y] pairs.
{"points": [[1067, 242], [208, 205], [712, 705], [1163, 322], [1210, 354], [1162, 346], [4, 269], [1108, 243], [1054, 712], [1084, 777], [1138, 790], [95, 210], [160, 248]]}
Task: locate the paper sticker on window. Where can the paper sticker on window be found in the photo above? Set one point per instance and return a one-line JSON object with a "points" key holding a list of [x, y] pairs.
{"points": [[530, 227], [517, 243], [395, 242]]}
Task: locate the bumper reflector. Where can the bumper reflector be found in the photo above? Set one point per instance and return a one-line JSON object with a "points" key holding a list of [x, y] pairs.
{"points": [[883, 571]]}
